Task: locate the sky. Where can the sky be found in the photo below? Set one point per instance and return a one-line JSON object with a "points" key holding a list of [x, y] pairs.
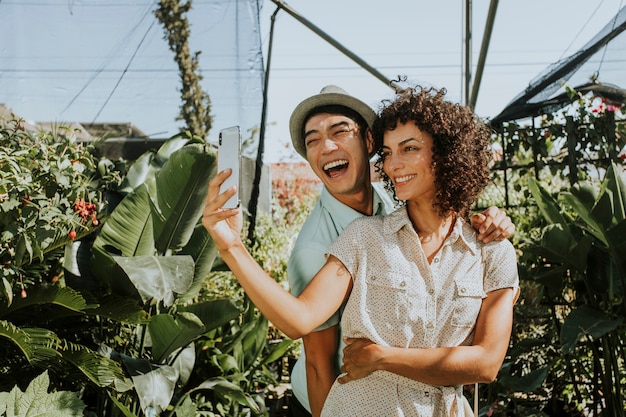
{"points": [[49, 67]]}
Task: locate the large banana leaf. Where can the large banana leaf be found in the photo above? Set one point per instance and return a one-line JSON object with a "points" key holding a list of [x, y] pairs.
{"points": [[202, 249], [128, 230], [158, 218], [180, 187], [586, 320], [171, 332], [150, 162], [158, 278]]}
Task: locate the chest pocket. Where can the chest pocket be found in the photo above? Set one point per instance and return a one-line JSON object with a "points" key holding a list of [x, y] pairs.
{"points": [[387, 299], [468, 297]]}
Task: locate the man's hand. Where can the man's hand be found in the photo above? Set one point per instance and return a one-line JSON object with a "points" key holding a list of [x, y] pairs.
{"points": [[492, 225], [360, 357]]}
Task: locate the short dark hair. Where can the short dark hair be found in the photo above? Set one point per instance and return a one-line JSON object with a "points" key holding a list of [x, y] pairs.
{"points": [[342, 110]]}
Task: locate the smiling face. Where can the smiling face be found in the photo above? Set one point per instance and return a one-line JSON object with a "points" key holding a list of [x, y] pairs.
{"points": [[338, 154], [408, 162]]}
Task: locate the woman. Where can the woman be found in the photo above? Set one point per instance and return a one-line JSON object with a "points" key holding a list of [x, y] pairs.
{"points": [[429, 308]]}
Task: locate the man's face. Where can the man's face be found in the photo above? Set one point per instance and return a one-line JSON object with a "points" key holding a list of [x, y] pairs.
{"points": [[337, 152]]}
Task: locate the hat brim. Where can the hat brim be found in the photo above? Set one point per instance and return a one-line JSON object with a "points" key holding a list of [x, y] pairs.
{"points": [[296, 122]]}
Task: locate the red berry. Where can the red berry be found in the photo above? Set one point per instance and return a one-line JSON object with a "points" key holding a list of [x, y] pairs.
{"points": [[72, 234]]}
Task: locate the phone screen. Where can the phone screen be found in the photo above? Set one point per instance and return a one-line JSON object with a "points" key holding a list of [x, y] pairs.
{"points": [[229, 156]]}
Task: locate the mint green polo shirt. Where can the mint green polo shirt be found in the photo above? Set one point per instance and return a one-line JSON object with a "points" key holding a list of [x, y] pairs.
{"points": [[325, 223]]}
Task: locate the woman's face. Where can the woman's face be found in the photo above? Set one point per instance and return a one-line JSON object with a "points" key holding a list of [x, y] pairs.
{"points": [[407, 153]]}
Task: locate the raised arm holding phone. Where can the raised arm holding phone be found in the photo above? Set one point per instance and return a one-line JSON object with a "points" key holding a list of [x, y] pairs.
{"points": [[425, 298]]}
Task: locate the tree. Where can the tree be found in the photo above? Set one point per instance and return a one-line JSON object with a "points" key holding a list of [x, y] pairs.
{"points": [[196, 107]]}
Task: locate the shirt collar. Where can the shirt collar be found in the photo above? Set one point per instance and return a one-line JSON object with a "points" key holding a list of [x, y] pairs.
{"points": [[343, 214], [461, 231]]}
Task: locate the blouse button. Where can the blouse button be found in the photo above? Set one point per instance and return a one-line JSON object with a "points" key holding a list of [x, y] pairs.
{"points": [[429, 325], [431, 291], [462, 290], [373, 278], [402, 284], [436, 260]]}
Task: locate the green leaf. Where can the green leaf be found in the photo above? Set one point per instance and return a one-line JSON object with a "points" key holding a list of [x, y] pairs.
{"points": [[37, 345], [155, 389], [590, 223], [559, 244], [36, 401], [527, 383], [125, 411], [586, 320], [202, 249], [64, 297], [8, 291], [120, 309], [169, 333], [548, 207], [277, 351], [213, 313], [181, 187], [128, 230], [229, 390], [158, 277], [615, 184], [101, 370]]}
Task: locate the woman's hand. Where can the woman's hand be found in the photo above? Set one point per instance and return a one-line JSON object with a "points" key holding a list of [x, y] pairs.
{"points": [[224, 225], [359, 359]]}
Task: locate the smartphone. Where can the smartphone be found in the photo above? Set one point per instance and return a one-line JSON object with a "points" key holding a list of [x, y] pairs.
{"points": [[229, 156]]}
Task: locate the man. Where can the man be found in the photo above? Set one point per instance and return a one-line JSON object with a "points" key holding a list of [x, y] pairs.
{"points": [[331, 131]]}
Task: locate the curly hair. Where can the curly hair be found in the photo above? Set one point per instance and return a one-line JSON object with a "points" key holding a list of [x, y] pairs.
{"points": [[460, 145]]}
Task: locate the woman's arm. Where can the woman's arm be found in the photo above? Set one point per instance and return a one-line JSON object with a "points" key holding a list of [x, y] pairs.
{"points": [[444, 366], [293, 316]]}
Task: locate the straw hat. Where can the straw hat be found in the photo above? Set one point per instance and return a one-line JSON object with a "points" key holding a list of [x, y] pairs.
{"points": [[331, 95]]}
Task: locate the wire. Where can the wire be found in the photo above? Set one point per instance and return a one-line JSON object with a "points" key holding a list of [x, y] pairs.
{"points": [[123, 73], [101, 69]]}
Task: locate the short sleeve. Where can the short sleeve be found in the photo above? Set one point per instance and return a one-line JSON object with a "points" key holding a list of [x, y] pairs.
{"points": [[348, 248], [500, 266]]}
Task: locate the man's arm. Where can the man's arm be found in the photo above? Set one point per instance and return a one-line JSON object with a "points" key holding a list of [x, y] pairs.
{"points": [[320, 348], [492, 225], [457, 365]]}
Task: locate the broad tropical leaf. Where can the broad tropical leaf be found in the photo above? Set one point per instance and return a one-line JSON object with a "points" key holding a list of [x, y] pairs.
{"points": [[150, 162], [128, 230], [158, 277], [550, 210], [170, 332], [36, 401], [213, 313], [120, 309], [181, 187], [527, 383], [228, 390], [202, 249], [586, 320]]}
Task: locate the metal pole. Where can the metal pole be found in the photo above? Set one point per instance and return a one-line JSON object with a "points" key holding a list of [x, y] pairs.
{"points": [[484, 47], [467, 51], [258, 167], [340, 47]]}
